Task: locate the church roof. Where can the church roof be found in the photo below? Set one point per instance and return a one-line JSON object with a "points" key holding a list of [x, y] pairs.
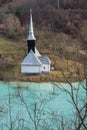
{"points": [[37, 52], [31, 59], [35, 59], [44, 60]]}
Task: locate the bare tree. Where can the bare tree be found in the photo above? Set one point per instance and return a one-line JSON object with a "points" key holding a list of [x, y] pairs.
{"points": [[58, 4], [36, 110], [12, 26], [11, 118], [79, 103]]}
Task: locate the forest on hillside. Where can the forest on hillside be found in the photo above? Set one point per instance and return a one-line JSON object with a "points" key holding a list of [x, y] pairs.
{"points": [[56, 3], [50, 15]]}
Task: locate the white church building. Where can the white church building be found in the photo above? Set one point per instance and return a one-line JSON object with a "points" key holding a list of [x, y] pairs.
{"points": [[34, 62]]}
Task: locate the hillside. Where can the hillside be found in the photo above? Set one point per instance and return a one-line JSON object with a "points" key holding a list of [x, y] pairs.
{"points": [[46, 16], [61, 34], [61, 49], [62, 3]]}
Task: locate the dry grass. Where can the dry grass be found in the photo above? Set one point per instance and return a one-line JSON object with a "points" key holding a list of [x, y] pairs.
{"points": [[56, 46]]}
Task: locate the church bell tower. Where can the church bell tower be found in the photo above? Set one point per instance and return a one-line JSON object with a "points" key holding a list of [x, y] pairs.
{"points": [[31, 38]]}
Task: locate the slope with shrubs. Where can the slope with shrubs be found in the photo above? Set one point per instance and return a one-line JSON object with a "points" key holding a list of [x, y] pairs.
{"points": [[61, 49], [61, 34]]}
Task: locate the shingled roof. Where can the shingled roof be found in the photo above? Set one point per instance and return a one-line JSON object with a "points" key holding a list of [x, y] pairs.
{"points": [[31, 59], [44, 60]]}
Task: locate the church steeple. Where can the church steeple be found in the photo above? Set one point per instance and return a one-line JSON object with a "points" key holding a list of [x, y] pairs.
{"points": [[31, 38]]}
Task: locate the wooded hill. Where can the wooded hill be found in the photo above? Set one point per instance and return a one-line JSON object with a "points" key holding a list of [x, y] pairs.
{"points": [[50, 15], [61, 33], [62, 3]]}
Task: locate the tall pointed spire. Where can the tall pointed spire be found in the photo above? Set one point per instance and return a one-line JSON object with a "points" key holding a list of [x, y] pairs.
{"points": [[31, 32], [31, 38]]}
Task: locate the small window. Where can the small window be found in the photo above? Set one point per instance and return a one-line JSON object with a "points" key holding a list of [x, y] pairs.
{"points": [[44, 67]]}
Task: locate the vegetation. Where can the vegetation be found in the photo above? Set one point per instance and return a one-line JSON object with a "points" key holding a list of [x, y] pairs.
{"points": [[61, 34], [61, 49], [12, 26]]}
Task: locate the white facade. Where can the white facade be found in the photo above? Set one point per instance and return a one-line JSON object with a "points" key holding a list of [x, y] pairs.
{"points": [[26, 69], [45, 64], [34, 63], [46, 68], [31, 64]]}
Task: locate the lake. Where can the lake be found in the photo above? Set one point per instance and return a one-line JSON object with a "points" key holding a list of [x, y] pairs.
{"points": [[40, 106]]}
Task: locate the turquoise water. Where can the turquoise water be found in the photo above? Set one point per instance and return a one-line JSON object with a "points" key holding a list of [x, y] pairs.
{"points": [[39, 106]]}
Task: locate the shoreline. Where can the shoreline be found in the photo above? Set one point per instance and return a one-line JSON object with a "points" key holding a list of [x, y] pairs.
{"points": [[43, 81]]}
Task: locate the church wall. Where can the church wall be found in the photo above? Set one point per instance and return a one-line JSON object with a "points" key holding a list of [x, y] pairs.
{"points": [[30, 69], [45, 68]]}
